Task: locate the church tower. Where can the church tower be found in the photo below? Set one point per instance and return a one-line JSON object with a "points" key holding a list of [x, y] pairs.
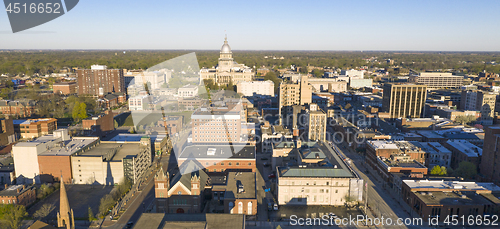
{"points": [[65, 218], [162, 185]]}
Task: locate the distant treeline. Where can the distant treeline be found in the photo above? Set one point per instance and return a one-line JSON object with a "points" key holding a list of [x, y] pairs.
{"points": [[45, 62]]}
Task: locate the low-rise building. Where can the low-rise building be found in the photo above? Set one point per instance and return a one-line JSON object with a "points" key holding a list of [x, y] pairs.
{"points": [[139, 103], [273, 134], [221, 158], [188, 91], [463, 150], [47, 158], [99, 125], [329, 182], [438, 154], [252, 88], [64, 88], [34, 128], [443, 199], [20, 108], [18, 194]]}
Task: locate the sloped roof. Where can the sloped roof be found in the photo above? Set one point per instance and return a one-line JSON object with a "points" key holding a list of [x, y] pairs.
{"points": [[187, 170], [314, 172]]}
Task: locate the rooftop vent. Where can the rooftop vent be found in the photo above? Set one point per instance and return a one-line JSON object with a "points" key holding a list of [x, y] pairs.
{"points": [[211, 151]]}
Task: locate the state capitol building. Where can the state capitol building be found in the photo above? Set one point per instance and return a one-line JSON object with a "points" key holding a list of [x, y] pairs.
{"points": [[227, 70]]}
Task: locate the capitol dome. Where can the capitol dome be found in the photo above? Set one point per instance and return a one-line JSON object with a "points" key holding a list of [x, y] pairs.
{"points": [[225, 47]]}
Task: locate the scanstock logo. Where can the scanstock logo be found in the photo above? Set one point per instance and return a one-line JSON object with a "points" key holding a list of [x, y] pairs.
{"points": [[26, 14]]}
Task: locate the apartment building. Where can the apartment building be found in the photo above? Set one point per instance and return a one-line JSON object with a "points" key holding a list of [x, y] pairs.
{"points": [[19, 108], [463, 150], [99, 80], [18, 195], [404, 100]]}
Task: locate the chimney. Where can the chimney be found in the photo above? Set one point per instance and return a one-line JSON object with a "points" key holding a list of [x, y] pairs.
{"points": [[6, 186], [18, 190]]}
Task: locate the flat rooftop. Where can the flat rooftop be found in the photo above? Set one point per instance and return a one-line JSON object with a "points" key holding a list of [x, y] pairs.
{"points": [[113, 151], [40, 140], [246, 179], [451, 198], [466, 147], [218, 151], [70, 147], [450, 185]]}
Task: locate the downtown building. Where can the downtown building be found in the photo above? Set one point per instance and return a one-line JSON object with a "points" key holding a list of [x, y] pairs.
{"points": [[404, 100], [435, 80], [259, 88], [292, 94], [99, 81], [482, 101]]}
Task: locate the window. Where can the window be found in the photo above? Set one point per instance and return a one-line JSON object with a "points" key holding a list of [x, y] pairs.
{"points": [[240, 208], [222, 163], [179, 193], [336, 191], [249, 163], [249, 210], [231, 207], [237, 163], [229, 163]]}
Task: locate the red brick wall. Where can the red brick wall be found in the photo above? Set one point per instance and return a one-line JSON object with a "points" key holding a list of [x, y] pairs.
{"points": [[52, 167]]}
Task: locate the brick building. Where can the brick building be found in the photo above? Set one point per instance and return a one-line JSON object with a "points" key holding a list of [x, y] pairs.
{"points": [[99, 80], [439, 199], [64, 88], [99, 125], [221, 158], [34, 128], [18, 194], [7, 135], [20, 108]]}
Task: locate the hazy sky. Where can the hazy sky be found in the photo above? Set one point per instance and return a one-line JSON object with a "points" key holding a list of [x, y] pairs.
{"points": [[267, 25]]}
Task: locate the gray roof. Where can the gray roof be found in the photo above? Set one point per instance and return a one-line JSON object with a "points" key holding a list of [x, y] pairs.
{"points": [[210, 220], [187, 170], [313, 172], [247, 179], [221, 151]]}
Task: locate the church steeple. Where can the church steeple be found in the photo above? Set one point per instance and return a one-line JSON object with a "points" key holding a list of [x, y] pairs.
{"points": [[65, 218]]}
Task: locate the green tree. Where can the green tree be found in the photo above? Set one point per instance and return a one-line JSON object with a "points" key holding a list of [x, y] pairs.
{"points": [[466, 169], [436, 170], [90, 215], [12, 215], [443, 171], [106, 204], [115, 124], [318, 73], [465, 119]]}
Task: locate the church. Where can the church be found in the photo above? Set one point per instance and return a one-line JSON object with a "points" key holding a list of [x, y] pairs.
{"points": [[227, 70]]}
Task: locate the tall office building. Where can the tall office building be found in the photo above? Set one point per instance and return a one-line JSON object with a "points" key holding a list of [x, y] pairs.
{"points": [[99, 80], [439, 80], [316, 123], [490, 159], [291, 94], [480, 101], [404, 100]]}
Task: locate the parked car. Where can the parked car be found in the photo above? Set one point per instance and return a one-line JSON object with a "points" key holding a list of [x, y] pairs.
{"points": [[266, 164], [333, 215], [269, 206], [271, 176], [275, 207], [264, 158], [130, 224]]}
